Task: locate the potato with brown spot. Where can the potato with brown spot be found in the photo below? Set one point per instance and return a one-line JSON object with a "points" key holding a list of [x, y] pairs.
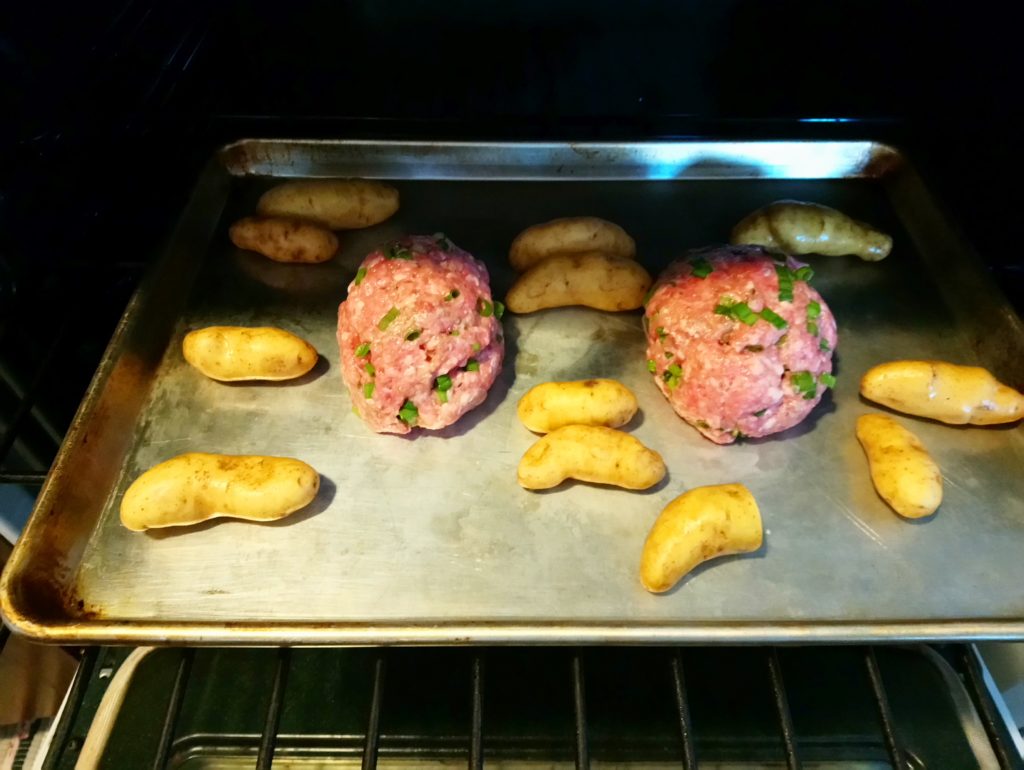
{"points": [[195, 487], [590, 453], [285, 239], [552, 405], [235, 353], [958, 395], [699, 525], [338, 204], [593, 280], [798, 227], [903, 472], [569, 235]]}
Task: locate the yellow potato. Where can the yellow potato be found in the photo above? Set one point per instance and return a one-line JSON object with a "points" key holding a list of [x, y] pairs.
{"points": [[699, 525], [796, 227], [284, 239], [552, 405], [571, 235], [340, 204], [230, 353], [902, 471], [590, 453], [949, 393], [194, 487], [593, 280]]}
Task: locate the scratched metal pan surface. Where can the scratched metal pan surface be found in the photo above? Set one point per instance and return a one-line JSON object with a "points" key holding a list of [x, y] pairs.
{"points": [[429, 539]]}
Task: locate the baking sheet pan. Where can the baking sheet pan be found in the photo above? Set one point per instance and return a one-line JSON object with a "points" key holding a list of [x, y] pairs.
{"points": [[429, 539]]}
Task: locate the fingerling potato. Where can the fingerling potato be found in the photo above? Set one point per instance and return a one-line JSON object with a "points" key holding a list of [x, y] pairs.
{"points": [[284, 239], [797, 227], [590, 453], [552, 405], [231, 353], [338, 204], [903, 472], [569, 235], [958, 395], [194, 487], [592, 280], [699, 525]]}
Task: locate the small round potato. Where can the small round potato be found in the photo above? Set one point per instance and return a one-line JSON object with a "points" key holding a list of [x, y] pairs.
{"points": [[339, 204], [699, 525], [284, 239], [552, 405], [903, 472], [570, 235], [232, 353], [958, 395], [592, 280], [590, 453], [194, 487]]}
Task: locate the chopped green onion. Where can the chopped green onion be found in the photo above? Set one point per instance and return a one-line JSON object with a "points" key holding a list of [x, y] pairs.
{"points": [[813, 310], [360, 275], [662, 334], [805, 273], [701, 268], [753, 348], [760, 412], [773, 318], [782, 340], [398, 251], [453, 294], [409, 414], [651, 366], [672, 375], [368, 389], [454, 333], [472, 365], [785, 283], [804, 383], [413, 334], [476, 347], [442, 396], [669, 356], [444, 382], [823, 346], [827, 380], [812, 328], [390, 316], [676, 370], [370, 369], [499, 309], [484, 308], [739, 311], [363, 350]]}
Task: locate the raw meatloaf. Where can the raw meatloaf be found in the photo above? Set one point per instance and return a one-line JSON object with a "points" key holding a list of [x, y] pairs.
{"points": [[419, 335], [738, 341]]}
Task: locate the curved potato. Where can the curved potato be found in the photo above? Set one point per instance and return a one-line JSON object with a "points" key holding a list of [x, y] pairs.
{"points": [[284, 239], [569, 235], [232, 353], [194, 487], [339, 204], [903, 472], [590, 453], [958, 395], [552, 405], [797, 227], [592, 280], [698, 525]]}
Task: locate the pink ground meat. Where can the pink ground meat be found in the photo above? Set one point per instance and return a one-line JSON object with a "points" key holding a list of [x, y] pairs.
{"points": [[419, 335], [738, 341]]}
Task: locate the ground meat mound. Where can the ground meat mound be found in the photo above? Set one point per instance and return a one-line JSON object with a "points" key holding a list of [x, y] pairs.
{"points": [[739, 342], [419, 335]]}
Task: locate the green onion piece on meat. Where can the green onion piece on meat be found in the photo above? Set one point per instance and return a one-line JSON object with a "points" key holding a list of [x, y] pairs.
{"points": [[804, 383], [669, 356], [360, 275], [476, 347], [499, 309], [409, 414], [472, 365], [753, 348], [413, 334], [773, 318], [701, 268], [741, 312], [675, 370], [823, 346], [398, 251], [662, 334], [368, 389], [484, 307], [453, 294], [785, 283], [444, 382], [812, 328], [672, 375], [363, 350], [652, 367], [442, 396], [805, 273], [454, 333], [389, 316], [813, 310], [827, 380], [370, 369], [760, 412]]}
